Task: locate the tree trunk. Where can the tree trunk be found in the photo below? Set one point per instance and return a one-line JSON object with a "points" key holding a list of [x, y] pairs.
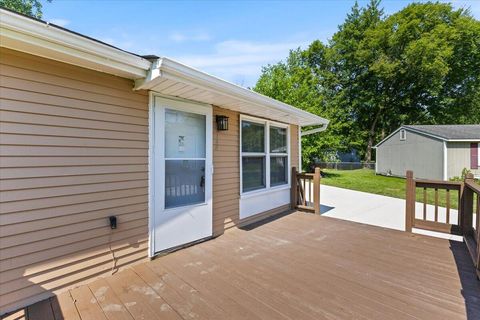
{"points": [[371, 136]]}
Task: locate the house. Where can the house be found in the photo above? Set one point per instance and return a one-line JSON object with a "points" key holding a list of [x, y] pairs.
{"points": [[109, 158], [438, 152]]}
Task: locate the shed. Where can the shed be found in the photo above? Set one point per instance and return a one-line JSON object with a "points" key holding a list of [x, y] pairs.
{"points": [[438, 152]]}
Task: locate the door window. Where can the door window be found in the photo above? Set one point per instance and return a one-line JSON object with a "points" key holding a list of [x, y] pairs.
{"points": [[184, 158]]}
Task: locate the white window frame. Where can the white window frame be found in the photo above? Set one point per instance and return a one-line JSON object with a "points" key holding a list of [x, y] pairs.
{"points": [[266, 153]]}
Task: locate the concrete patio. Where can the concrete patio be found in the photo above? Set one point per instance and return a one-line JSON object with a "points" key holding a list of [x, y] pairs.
{"points": [[374, 209]]}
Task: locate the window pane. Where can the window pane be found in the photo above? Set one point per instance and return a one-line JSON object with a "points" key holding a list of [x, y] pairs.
{"points": [[253, 137], [278, 171], [184, 134], [278, 140], [184, 182], [253, 173]]}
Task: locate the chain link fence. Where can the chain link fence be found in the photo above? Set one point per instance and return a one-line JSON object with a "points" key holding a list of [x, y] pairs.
{"points": [[346, 165]]}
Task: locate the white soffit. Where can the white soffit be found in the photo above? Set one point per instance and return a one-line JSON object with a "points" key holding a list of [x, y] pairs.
{"points": [[35, 37], [172, 78]]}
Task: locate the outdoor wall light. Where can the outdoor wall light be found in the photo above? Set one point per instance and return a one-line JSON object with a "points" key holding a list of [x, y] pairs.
{"points": [[222, 123]]}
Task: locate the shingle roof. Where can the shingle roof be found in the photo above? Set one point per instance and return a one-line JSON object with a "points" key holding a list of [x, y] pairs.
{"points": [[450, 132]]}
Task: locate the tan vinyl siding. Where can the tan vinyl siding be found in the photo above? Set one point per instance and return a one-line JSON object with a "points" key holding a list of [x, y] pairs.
{"points": [[74, 147], [226, 176], [73, 151], [458, 155]]}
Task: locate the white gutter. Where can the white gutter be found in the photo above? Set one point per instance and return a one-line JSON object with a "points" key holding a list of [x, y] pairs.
{"points": [[39, 38], [165, 68]]}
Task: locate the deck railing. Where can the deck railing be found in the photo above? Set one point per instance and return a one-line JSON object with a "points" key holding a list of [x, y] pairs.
{"points": [[471, 224], [466, 223], [306, 191]]}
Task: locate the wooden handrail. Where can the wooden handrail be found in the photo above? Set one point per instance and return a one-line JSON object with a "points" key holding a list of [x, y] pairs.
{"points": [[303, 185], [469, 198], [470, 182]]}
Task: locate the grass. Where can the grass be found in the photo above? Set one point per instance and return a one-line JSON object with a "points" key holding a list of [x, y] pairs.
{"points": [[365, 180]]}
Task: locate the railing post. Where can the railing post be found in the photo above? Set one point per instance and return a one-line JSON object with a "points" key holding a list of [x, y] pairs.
{"points": [[316, 190], [467, 207], [409, 201], [293, 189]]}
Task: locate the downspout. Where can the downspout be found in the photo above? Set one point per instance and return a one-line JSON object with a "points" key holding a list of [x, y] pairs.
{"points": [[322, 127]]}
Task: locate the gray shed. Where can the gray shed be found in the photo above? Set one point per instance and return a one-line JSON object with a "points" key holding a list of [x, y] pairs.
{"points": [[437, 152]]}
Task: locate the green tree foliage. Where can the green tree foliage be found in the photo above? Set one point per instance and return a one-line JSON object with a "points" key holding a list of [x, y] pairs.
{"points": [[420, 65], [32, 8]]}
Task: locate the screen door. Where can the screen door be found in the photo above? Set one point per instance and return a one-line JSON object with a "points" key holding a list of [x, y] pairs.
{"points": [[183, 173]]}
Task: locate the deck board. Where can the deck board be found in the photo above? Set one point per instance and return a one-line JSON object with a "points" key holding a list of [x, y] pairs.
{"points": [[297, 266]]}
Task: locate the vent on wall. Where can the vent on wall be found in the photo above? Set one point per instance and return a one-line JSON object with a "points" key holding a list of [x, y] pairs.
{"points": [[403, 135]]}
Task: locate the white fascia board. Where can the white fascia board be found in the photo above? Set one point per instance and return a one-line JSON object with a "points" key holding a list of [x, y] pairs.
{"points": [[167, 68], [37, 38], [463, 140]]}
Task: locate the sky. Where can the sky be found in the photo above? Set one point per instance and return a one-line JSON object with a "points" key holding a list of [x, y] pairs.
{"points": [[229, 39]]}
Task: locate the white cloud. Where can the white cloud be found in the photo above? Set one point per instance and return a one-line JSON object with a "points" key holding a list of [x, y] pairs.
{"points": [[59, 22], [241, 61], [179, 37]]}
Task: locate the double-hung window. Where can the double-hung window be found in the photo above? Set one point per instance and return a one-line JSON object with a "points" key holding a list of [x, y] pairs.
{"points": [[264, 154], [278, 156]]}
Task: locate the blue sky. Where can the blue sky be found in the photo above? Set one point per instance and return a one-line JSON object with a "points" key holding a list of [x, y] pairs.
{"points": [[231, 40]]}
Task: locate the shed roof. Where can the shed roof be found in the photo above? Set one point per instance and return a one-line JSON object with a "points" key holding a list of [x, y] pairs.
{"points": [[449, 132]]}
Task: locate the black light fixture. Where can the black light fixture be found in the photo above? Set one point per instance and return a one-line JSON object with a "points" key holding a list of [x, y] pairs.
{"points": [[222, 123]]}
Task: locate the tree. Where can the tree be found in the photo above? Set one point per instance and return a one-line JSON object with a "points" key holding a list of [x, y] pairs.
{"points": [[420, 65], [356, 86], [424, 65], [32, 8], [298, 81]]}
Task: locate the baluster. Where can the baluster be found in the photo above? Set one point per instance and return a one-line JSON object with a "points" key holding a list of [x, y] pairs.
{"points": [[436, 204], [447, 194], [304, 192], [309, 191], [424, 203]]}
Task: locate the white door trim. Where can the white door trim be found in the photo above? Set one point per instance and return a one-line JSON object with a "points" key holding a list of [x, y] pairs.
{"points": [[153, 174]]}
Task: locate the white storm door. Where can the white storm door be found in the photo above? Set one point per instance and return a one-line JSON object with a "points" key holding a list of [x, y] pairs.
{"points": [[182, 173]]}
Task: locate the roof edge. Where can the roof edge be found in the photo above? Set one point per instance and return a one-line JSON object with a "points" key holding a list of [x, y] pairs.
{"points": [[41, 38], [171, 69], [416, 131]]}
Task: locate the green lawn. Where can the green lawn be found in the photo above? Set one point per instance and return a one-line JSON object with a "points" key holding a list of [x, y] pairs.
{"points": [[365, 180]]}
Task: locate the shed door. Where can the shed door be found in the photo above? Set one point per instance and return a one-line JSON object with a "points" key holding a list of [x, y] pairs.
{"points": [[183, 173]]}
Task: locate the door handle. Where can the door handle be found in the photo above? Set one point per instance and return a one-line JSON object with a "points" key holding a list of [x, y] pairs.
{"points": [[202, 181]]}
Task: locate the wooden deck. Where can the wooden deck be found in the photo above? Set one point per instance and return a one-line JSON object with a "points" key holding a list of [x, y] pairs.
{"points": [[298, 266]]}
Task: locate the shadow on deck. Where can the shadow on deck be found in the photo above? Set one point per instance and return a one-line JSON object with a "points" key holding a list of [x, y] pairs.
{"points": [[293, 266]]}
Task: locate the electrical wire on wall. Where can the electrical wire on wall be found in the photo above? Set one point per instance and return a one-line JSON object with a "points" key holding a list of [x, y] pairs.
{"points": [[114, 259]]}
